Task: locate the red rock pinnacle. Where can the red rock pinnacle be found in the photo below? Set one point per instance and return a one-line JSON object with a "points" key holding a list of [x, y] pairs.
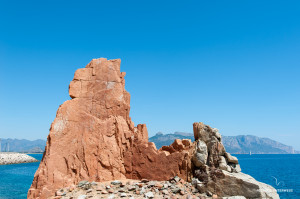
{"points": [[93, 138]]}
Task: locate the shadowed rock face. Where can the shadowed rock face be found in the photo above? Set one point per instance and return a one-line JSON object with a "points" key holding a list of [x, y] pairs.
{"points": [[93, 138]]}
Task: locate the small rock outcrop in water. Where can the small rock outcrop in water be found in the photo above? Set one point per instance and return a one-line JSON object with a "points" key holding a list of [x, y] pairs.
{"points": [[93, 138], [15, 158]]}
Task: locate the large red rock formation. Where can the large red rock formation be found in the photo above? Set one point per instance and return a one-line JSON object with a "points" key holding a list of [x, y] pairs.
{"points": [[93, 138]]}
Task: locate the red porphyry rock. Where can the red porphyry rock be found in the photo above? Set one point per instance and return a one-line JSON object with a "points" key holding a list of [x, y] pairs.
{"points": [[93, 138]]}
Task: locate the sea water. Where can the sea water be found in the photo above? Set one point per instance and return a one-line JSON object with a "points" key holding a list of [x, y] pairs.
{"points": [[15, 179], [280, 171]]}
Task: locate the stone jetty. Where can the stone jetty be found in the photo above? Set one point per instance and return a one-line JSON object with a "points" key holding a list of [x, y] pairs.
{"points": [[15, 158]]}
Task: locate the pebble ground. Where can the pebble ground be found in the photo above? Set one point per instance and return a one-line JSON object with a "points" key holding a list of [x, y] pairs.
{"points": [[175, 188]]}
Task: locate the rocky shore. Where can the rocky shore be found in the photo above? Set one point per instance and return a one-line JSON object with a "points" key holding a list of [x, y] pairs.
{"points": [[15, 158], [108, 146], [134, 189]]}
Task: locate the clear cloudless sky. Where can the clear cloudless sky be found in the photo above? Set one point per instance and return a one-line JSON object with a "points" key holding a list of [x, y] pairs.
{"points": [[234, 65]]}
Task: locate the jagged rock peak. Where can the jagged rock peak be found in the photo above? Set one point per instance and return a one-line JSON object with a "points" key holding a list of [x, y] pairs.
{"points": [[93, 138]]}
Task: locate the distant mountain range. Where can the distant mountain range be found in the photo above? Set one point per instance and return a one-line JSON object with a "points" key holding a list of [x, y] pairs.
{"points": [[241, 144], [24, 146]]}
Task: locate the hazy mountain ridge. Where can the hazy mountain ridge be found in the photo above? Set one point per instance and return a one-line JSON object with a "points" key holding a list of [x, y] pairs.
{"points": [[23, 145], [233, 144]]}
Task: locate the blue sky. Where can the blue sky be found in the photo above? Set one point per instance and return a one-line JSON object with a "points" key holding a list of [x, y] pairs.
{"points": [[234, 65]]}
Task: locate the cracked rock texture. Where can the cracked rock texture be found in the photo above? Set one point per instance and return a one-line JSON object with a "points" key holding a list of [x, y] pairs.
{"points": [[93, 138]]}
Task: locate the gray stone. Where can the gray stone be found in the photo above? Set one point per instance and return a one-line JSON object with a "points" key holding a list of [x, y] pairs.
{"points": [[142, 191], [240, 184], [151, 184], [234, 197], [231, 158], [149, 195], [236, 168], [81, 183], [89, 191], [94, 183], [122, 195], [201, 147], [189, 197], [82, 197], [199, 159], [208, 193], [223, 164], [200, 187], [116, 182], [165, 192], [176, 190], [194, 190], [131, 188], [195, 181], [84, 185], [177, 179], [217, 134], [112, 196], [200, 156], [121, 190], [222, 160]]}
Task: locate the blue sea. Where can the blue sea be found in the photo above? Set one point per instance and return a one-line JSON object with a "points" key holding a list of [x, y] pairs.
{"points": [[16, 179]]}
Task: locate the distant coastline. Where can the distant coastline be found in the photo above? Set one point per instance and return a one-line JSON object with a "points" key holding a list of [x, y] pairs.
{"points": [[22, 145], [241, 144]]}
